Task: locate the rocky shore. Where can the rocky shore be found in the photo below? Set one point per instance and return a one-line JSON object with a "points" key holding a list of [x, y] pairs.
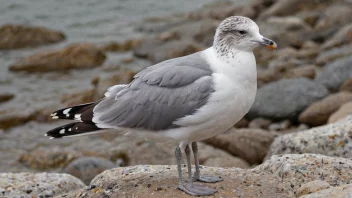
{"points": [[296, 141]]}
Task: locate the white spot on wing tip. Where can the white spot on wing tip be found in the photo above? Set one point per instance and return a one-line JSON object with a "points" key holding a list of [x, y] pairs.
{"points": [[53, 114], [55, 117], [45, 135], [78, 117], [62, 131], [66, 111], [51, 138]]}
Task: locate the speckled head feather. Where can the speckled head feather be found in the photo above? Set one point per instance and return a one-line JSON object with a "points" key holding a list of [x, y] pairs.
{"points": [[235, 32]]}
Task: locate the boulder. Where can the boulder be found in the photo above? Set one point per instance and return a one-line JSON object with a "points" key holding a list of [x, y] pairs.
{"points": [[342, 37], [312, 187], [280, 176], [333, 54], [29, 185], [342, 112], [248, 144], [319, 112], [334, 74], [120, 46], [306, 71], [6, 97], [286, 98], [20, 36], [86, 168], [332, 140], [75, 56], [347, 85]]}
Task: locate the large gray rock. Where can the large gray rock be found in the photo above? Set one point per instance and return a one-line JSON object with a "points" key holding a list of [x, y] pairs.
{"points": [[335, 73], [28, 185], [286, 98], [331, 140], [280, 176], [333, 54]]}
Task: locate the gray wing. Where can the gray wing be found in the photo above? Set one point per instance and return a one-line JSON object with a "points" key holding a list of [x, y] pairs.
{"points": [[159, 95]]}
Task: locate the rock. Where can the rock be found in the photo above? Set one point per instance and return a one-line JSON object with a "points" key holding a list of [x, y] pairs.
{"points": [[319, 112], [333, 54], [346, 86], [280, 126], [75, 56], [6, 97], [312, 187], [342, 191], [248, 144], [243, 123], [290, 23], [19, 36], [280, 176], [335, 15], [210, 156], [120, 47], [335, 73], [47, 159], [342, 37], [123, 76], [286, 98], [259, 123], [86, 168], [307, 71], [29, 185], [342, 112], [331, 140], [76, 98]]}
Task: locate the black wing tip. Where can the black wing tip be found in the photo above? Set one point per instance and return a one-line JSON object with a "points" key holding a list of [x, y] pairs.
{"points": [[71, 129]]}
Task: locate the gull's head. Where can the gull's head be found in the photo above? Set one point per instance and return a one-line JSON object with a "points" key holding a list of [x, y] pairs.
{"points": [[241, 33]]}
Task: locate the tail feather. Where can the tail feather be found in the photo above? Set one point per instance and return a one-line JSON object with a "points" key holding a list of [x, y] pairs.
{"points": [[72, 129]]}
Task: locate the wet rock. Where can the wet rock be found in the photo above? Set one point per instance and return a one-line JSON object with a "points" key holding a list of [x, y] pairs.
{"points": [[280, 176], [248, 144], [335, 15], [259, 123], [120, 46], [123, 76], [6, 97], [319, 112], [307, 71], [286, 98], [347, 85], [75, 56], [342, 112], [331, 140], [312, 187], [333, 54], [342, 191], [37, 184], [86, 168], [335, 73], [342, 37], [19, 36]]}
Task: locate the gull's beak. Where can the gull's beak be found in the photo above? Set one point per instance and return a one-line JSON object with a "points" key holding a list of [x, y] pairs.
{"points": [[267, 43]]}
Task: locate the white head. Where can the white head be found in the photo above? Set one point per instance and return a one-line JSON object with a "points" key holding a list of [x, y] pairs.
{"points": [[240, 33]]}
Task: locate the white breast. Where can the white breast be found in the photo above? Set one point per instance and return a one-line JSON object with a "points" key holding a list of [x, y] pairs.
{"points": [[235, 88]]}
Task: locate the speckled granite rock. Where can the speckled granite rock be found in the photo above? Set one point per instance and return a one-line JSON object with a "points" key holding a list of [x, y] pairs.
{"points": [[28, 185], [343, 191], [312, 187], [331, 140], [280, 176]]}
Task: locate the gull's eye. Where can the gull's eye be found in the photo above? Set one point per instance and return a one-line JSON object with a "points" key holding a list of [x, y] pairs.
{"points": [[242, 32]]}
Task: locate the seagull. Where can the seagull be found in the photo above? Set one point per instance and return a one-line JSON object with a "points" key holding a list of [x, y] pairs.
{"points": [[182, 100]]}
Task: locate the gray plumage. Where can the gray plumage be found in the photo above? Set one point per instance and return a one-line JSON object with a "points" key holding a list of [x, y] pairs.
{"points": [[159, 95]]}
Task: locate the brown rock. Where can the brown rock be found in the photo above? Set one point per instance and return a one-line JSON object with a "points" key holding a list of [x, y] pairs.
{"points": [[259, 123], [243, 123], [343, 36], [342, 112], [307, 71], [121, 47], [333, 54], [6, 97], [75, 56], [347, 85], [76, 98], [248, 144], [123, 76], [19, 36], [342, 191], [319, 112]]}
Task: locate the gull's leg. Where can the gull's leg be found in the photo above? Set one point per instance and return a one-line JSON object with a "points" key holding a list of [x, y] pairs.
{"points": [[197, 176], [190, 188]]}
